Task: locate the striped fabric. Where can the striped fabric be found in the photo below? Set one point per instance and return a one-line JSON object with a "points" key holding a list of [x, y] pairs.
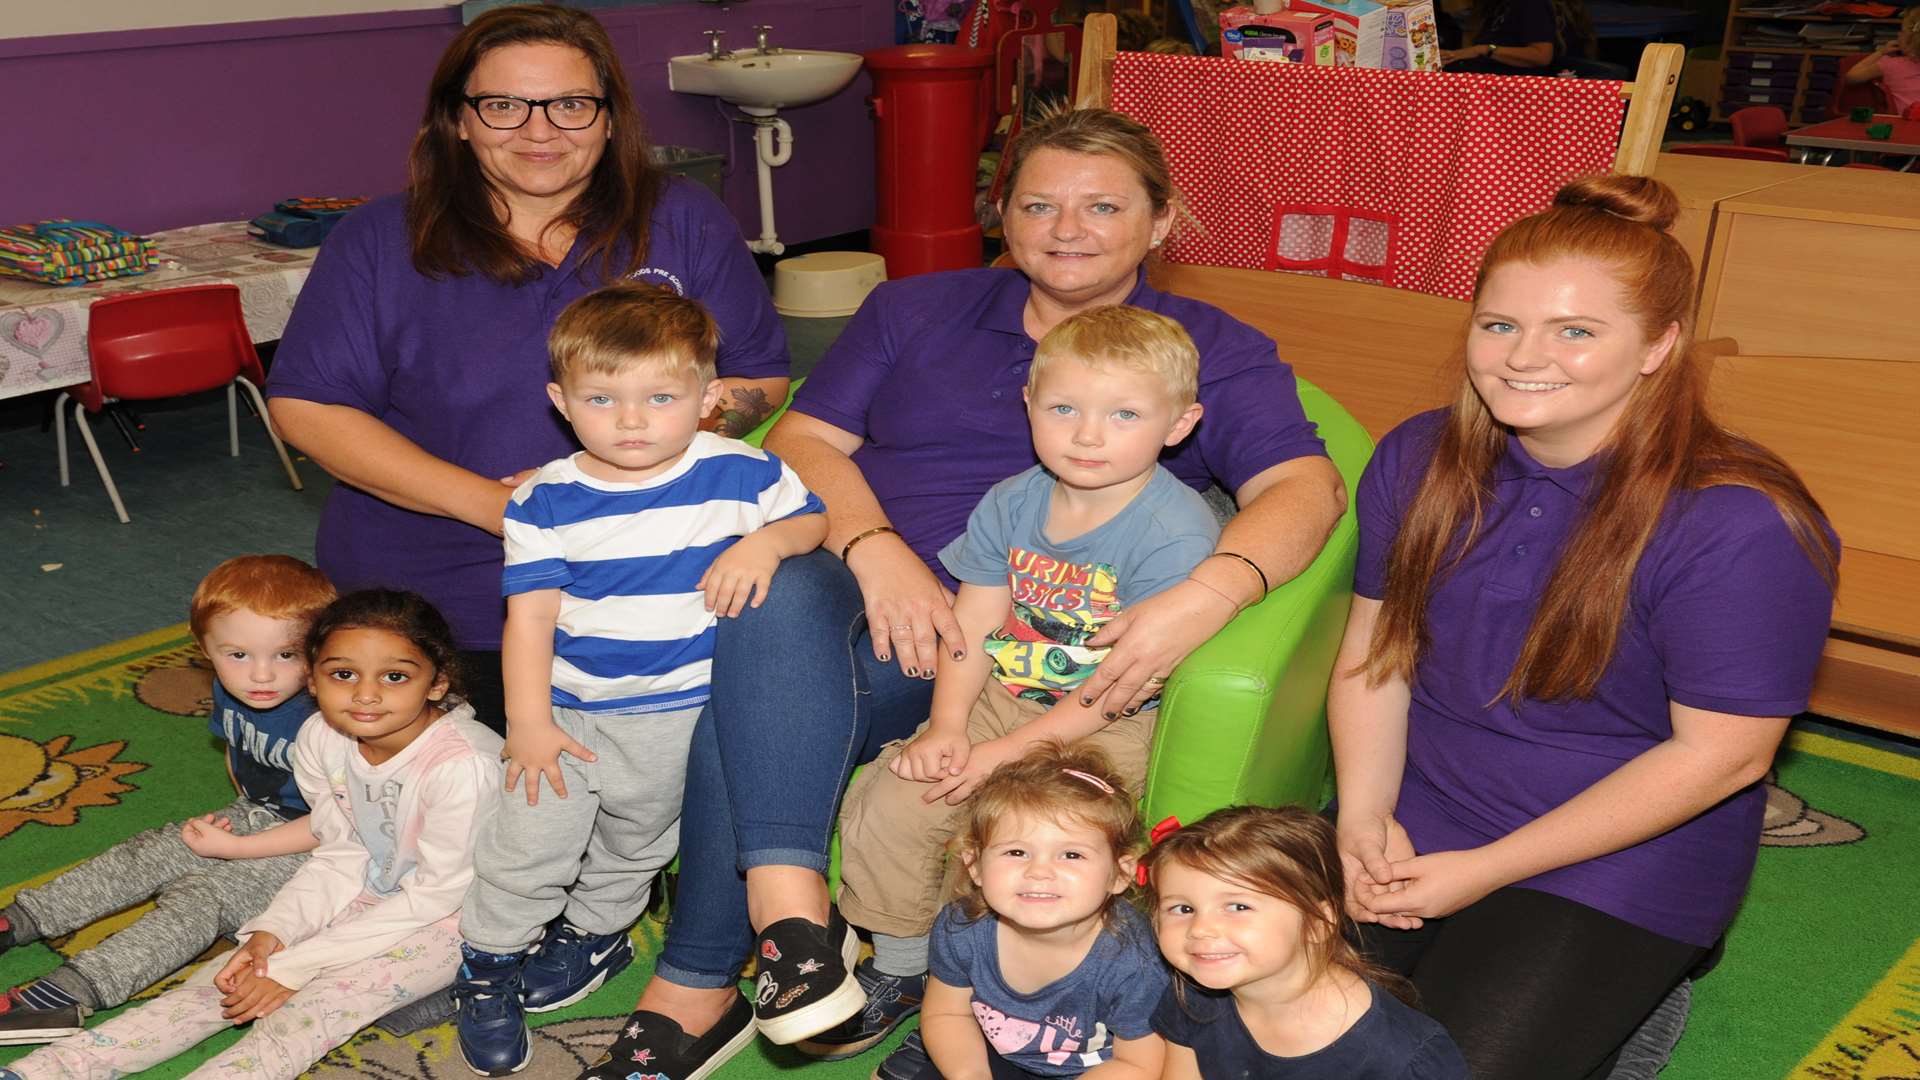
{"points": [[633, 634], [64, 252]]}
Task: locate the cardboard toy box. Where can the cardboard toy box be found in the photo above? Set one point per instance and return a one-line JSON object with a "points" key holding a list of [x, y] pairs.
{"points": [[1297, 37], [1399, 34]]}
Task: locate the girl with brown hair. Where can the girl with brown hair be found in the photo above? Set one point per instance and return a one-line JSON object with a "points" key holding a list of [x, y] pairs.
{"points": [[1248, 907], [1583, 615]]}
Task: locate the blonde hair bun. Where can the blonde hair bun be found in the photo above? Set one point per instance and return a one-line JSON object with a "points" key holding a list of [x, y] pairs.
{"points": [[1639, 199]]}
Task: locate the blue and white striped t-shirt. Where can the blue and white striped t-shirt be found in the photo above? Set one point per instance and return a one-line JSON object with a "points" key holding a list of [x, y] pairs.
{"points": [[633, 633]]}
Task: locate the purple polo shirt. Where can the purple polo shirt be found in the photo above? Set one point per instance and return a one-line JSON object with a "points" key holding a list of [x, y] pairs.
{"points": [[459, 366], [929, 372], [1726, 613]]}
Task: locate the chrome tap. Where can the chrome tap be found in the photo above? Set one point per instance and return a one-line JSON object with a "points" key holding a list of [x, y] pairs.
{"points": [[762, 47], [714, 51]]}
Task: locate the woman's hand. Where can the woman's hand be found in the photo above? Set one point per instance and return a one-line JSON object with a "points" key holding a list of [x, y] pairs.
{"points": [[1369, 846], [1149, 640], [934, 754], [909, 613], [209, 837], [1435, 886], [533, 750]]}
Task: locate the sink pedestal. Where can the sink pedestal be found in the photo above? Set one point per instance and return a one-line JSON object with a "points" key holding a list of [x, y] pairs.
{"points": [[773, 147]]}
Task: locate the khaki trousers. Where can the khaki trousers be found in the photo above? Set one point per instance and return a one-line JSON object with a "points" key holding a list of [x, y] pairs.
{"points": [[893, 846]]}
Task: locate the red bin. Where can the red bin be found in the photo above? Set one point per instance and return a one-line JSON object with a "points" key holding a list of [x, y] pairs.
{"points": [[930, 112]]}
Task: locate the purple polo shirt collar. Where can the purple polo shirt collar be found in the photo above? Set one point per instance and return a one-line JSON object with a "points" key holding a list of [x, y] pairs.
{"points": [[1576, 479], [1006, 311]]}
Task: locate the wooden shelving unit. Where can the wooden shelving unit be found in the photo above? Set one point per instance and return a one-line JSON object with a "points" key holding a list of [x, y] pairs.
{"points": [[1788, 74]]}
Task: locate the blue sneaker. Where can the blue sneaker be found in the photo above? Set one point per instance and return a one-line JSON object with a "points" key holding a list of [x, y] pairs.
{"points": [[493, 1027], [569, 964]]}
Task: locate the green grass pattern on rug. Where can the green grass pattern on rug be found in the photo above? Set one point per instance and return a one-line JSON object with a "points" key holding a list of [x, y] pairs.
{"points": [[1821, 979]]}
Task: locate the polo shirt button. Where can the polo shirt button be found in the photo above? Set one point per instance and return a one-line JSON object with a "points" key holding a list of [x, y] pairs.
{"points": [[1520, 549], [1534, 511], [996, 395]]}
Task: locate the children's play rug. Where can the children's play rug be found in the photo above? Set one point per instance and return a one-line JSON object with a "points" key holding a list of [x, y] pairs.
{"points": [[1821, 979]]}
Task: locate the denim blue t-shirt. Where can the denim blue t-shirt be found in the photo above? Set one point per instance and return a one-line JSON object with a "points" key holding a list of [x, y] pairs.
{"points": [[1067, 1026], [258, 744], [1064, 593]]}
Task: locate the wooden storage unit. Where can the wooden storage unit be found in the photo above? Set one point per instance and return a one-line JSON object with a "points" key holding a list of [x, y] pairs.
{"points": [[1800, 81]]}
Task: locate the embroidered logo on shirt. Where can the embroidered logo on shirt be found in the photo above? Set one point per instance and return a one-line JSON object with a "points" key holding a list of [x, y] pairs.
{"points": [[659, 277]]}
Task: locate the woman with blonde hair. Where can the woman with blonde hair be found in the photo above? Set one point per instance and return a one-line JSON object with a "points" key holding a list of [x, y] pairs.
{"points": [[1583, 615]]}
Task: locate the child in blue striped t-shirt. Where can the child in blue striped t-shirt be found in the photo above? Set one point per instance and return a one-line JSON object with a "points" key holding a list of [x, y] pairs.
{"points": [[619, 559]]}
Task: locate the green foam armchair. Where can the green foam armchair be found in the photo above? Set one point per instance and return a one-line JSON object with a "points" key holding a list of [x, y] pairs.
{"points": [[1244, 718]]}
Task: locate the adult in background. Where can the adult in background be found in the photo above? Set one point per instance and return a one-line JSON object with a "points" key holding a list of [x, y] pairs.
{"points": [[1583, 615], [907, 421], [414, 368], [1519, 37]]}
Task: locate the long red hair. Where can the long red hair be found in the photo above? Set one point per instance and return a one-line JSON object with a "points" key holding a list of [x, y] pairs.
{"points": [[1665, 444]]}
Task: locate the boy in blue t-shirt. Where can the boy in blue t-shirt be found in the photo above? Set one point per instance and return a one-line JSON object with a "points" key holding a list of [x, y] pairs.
{"points": [[619, 559], [213, 873], [1049, 558]]}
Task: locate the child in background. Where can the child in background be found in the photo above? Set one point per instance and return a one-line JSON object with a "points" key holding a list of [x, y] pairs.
{"points": [[208, 875], [1249, 907], [1896, 64], [1049, 558], [618, 561], [1041, 967], [400, 777]]}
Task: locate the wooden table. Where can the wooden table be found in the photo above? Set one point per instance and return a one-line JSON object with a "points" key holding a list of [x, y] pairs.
{"points": [[1818, 266], [1844, 134], [1702, 183], [43, 328]]}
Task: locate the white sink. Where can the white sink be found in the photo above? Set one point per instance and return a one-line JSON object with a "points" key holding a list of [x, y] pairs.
{"points": [[775, 80]]}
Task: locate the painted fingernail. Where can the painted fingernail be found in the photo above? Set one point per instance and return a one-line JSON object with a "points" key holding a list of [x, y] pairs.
{"points": [[1131, 711], [913, 673], [886, 659], [1112, 716], [1086, 703], [926, 674], [959, 655]]}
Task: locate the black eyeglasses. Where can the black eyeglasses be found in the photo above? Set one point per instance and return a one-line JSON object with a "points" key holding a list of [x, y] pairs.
{"points": [[504, 112]]}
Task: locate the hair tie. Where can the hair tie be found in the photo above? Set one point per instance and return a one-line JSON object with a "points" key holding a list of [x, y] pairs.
{"points": [[1091, 779], [1167, 827]]}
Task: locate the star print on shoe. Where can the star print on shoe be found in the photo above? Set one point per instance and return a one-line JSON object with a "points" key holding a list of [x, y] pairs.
{"points": [[804, 986]]}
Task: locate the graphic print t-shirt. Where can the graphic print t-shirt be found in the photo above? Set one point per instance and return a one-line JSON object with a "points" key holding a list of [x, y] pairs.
{"points": [[1069, 1025], [1063, 593]]}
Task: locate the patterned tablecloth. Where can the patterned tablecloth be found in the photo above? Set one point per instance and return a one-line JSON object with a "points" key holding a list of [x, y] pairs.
{"points": [[43, 328]]}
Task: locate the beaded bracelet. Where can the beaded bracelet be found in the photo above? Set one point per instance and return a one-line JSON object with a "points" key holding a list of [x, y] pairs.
{"points": [[875, 531]]}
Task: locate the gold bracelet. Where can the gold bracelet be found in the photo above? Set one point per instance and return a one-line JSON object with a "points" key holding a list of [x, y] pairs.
{"points": [[875, 531], [1254, 566]]}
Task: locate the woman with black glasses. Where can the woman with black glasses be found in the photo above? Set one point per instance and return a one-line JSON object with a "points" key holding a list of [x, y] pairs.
{"points": [[414, 367]]}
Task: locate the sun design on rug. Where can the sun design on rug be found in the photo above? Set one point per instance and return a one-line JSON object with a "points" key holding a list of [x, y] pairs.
{"points": [[43, 782]]}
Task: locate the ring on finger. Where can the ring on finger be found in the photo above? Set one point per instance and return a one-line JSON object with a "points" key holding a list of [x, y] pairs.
{"points": [[1157, 680], [902, 628]]}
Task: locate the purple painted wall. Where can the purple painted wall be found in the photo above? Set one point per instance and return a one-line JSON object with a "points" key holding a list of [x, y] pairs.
{"points": [[152, 129]]}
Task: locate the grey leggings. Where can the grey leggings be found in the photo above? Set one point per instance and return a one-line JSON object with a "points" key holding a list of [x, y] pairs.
{"points": [[196, 902]]}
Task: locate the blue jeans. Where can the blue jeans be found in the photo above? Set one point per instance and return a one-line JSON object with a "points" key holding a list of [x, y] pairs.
{"points": [[798, 702]]}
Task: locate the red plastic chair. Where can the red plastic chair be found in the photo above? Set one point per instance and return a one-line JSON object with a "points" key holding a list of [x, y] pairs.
{"points": [[1759, 125], [165, 344], [1728, 150]]}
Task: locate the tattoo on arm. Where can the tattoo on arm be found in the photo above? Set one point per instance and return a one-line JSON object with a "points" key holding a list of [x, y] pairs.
{"points": [[749, 409]]}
